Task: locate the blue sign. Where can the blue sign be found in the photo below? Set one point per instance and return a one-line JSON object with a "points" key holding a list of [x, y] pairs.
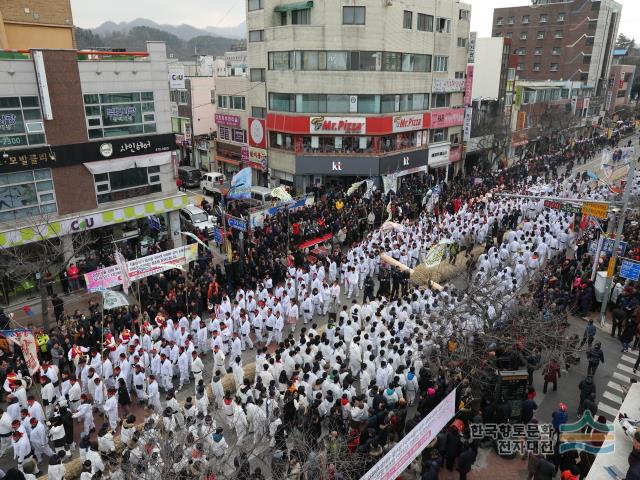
{"points": [[607, 247], [217, 235], [630, 270], [237, 223]]}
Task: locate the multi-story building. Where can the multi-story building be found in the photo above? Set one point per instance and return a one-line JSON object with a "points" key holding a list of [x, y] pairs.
{"points": [[86, 149], [621, 80], [563, 41], [28, 24], [365, 89]]}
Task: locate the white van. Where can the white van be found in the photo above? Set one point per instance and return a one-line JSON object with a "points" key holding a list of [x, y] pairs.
{"points": [[262, 194], [212, 180]]}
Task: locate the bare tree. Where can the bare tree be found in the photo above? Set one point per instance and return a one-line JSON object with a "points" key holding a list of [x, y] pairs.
{"points": [[491, 130], [42, 259]]}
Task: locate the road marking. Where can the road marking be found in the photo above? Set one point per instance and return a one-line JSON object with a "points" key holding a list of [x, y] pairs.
{"points": [[621, 377], [607, 409], [612, 397], [624, 368], [628, 359], [614, 386]]}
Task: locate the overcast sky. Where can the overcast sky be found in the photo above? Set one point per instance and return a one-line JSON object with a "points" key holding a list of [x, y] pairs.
{"points": [[225, 13]]}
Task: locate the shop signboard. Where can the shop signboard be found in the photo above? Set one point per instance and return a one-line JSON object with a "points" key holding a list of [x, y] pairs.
{"points": [[402, 162], [337, 125], [407, 123], [257, 159], [455, 154], [141, 267], [630, 269], [447, 117], [90, 221], [257, 133], [439, 155], [471, 53], [227, 120], [447, 85], [466, 127], [176, 77], [468, 87]]}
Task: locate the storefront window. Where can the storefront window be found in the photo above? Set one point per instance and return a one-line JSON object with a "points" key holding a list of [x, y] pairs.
{"points": [[26, 194], [119, 114], [20, 122], [129, 183]]}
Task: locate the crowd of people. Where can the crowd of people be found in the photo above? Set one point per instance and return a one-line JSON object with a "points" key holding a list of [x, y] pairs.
{"points": [[340, 372]]}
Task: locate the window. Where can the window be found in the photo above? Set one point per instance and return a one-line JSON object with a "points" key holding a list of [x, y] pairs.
{"points": [[238, 135], [586, 59], [558, 34], [309, 60], [353, 15], [543, 18], [120, 114], [554, 67], [560, 18], [595, 6], [258, 112], [440, 64], [257, 74], [459, 75], [555, 51], [525, 19], [511, 20], [564, 93], [280, 60], [522, 51], [464, 15], [538, 51], [454, 138], [536, 67], [407, 20], [523, 35], [237, 103], [589, 41], [462, 42], [584, 77], [520, 66], [224, 133], [20, 122], [256, 5], [25, 194], [223, 101], [181, 97], [283, 18], [443, 25], [622, 93], [391, 61], [540, 36], [439, 135], [508, 35], [213, 96], [256, 36], [364, 61], [425, 22], [301, 17], [593, 24], [129, 183], [282, 102], [440, 100], [500, 21], [337, 60]]}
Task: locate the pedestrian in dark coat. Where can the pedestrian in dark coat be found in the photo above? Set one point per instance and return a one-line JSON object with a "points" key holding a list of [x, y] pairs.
{"points": [[465, 461], [452, 444]]}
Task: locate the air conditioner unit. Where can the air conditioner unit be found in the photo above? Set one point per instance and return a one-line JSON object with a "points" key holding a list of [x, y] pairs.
{"points": [[34, 127]]}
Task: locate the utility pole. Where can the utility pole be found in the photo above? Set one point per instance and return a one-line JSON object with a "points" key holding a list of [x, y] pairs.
{"points": [[614, 258]]}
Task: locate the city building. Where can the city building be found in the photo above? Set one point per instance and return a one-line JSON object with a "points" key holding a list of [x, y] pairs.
{"points": [[621, 81], [28, 24], [339, 92], [491, 68], [86, 149], [563, 41]]}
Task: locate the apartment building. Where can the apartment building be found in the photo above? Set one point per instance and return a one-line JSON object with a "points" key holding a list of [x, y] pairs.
{"points": [[563, 41], [86, 148], [339, 92]]}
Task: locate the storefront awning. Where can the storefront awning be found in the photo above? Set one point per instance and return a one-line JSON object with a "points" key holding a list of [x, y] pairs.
{"points": [[230, 161], [119, 164], [288, 7]]}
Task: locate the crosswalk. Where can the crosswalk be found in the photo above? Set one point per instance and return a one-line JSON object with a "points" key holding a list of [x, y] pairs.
{"points": [[611, 398]]}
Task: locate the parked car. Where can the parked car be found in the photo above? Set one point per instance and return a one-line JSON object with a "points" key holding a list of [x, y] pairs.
{"points": [[192, 218], [262, 194], [190, 176], [212, 181]]}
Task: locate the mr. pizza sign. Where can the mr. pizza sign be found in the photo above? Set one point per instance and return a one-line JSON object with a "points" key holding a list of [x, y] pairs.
{"points": [[337, 125]]}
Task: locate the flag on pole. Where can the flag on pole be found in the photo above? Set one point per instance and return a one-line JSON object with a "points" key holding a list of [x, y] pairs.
{"points": [[281, 194], [27, 309], [241, 184], [112, 299]]}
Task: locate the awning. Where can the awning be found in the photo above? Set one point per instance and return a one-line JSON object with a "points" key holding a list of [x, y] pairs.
{"points": [[119, 164], [288, 7], [230, 161]]}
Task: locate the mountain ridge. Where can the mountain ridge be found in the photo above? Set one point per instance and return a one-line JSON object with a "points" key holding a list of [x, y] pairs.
{"points": [[183, 31]]}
